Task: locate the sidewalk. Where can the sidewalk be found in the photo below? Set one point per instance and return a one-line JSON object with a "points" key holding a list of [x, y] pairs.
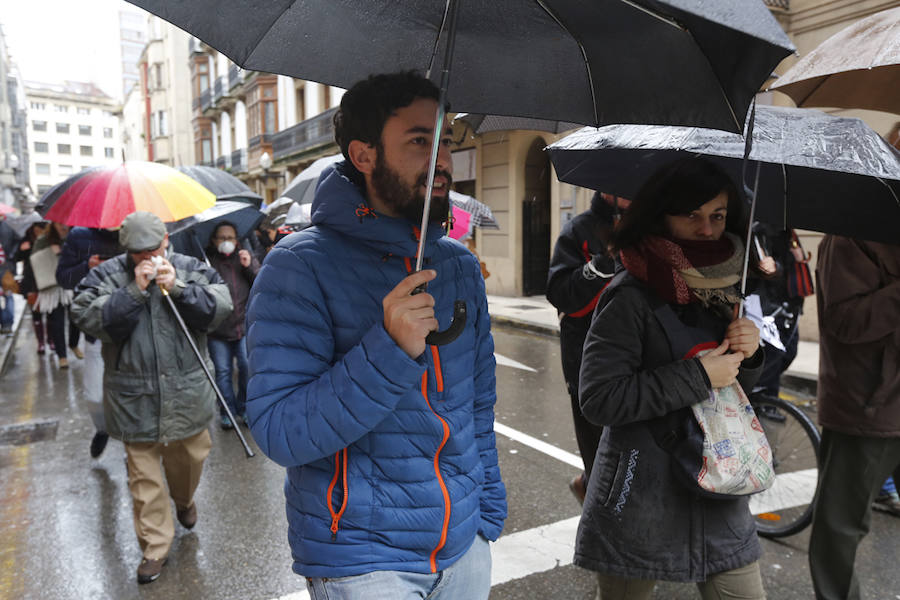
{"points": [[535, 314]]}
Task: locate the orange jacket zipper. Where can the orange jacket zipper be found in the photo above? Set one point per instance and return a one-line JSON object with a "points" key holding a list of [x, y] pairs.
{"points": [[339, 470], [437, 471]]}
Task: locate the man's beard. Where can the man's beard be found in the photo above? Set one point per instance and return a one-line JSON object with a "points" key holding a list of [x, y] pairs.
{"points": [[409, 202]]}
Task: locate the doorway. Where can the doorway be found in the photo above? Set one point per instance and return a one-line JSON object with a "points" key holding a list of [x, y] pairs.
{"points": [[536, 220]]}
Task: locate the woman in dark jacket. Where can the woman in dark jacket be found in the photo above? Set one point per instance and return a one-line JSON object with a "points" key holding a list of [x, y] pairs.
{"points": [[27, 286], [681, 248]]}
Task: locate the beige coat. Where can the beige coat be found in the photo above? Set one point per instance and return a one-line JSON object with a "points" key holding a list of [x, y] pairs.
{"points": [[859, 323]]}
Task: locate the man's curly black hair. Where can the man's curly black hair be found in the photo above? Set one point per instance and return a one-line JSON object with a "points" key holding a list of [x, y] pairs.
{"points": [[366, 106]]}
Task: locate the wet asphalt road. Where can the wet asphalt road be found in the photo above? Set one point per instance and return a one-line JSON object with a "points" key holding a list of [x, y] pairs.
{"points": [[66, 529]]}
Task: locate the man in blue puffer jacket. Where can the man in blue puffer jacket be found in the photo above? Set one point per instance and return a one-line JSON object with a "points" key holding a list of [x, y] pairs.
{"points": [[392, 481]]}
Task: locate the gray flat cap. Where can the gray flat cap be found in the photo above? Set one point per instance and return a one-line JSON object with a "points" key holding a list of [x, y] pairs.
{"points": [[141, 231]]}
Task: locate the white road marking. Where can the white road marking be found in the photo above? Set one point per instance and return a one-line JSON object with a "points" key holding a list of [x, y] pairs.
{"points": [[539, 445], [505, 361], [789, 490], [535, 550]]}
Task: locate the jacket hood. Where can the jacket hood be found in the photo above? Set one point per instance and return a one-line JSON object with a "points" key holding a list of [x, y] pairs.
{"points": [[341, 205]]}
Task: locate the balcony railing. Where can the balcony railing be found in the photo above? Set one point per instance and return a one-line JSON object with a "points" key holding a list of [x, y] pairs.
{"points": [[194, 46], [305, 135], [779, 4], [218, 88], [195, 103], [235, 76], [224, 161], [239, 161], [205, 101], [258, 140]]}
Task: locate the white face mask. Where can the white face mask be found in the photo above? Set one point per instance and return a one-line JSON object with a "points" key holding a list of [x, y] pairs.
{"points": [[226, 248]]}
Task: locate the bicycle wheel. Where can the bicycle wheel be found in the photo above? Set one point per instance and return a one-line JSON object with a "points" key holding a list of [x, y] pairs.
{"points": [[786, 507]]}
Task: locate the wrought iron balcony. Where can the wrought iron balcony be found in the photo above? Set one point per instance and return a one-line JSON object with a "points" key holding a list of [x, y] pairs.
{"points": [[195, 103], [779, 4], [218, 88], [205, 100], [239, 161], [305, 135], [194, 46], [224, 161], [235, 76], [258, 140]]}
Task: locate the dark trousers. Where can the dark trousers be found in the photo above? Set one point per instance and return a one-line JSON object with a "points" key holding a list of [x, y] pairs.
{"points": [[777, 361], [56, 328], [74, 332], [852, 470]]}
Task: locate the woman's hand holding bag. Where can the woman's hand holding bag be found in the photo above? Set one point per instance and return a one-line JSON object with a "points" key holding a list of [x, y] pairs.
{"points": [[721, 368]]}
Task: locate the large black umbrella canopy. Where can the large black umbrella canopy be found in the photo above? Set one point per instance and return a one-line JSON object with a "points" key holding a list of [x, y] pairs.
{"points": [[817, 172], [684, 62], [223, 184]]}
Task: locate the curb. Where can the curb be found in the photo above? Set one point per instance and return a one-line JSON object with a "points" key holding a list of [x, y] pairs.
{"points": [[526, 325]]}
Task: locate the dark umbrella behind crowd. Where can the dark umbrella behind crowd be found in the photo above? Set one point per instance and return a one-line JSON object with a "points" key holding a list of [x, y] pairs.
{"points": [[191, 235], [223, 184], [817, 172]]}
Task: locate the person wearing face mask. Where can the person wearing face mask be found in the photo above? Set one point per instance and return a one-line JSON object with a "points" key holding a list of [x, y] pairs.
{"points": [[238, 267]]}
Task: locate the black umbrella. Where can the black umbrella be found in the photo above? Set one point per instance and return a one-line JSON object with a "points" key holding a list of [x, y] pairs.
{"points": [[678, 62], [223, 184], [487, 123], [698, 62], [817, 172], [191, 235]]}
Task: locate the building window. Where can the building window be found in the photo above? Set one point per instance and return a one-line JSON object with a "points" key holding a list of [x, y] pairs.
{"points": [[38, 106], [202, 76], [83, 111], [84, 130], [61, 108], [163, 126], [41, 147], [65, 169], [43, 189], [39, 125], [42, 168], [157, 75], [107, 132], [300, 103], [63, 149], [109, 152], [62, 128], [108, 113], [86, 150], [262, 110]]}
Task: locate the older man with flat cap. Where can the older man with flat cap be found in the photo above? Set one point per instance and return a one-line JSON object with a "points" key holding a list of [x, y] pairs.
{"points": [[157, 399]]}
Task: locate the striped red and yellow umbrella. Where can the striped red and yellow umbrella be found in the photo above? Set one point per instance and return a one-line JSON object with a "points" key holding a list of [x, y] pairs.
{"points": [[102, 197]]}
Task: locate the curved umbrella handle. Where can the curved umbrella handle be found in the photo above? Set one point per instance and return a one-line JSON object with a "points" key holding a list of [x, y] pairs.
{"points": [[457, 324]]}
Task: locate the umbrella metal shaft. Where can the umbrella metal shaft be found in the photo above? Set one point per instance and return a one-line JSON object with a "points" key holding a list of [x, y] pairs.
{"points": [[440, 116], [212, 381]]}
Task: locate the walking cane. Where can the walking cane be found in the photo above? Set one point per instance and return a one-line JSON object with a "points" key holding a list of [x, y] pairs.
{"points": [[212, 381]]}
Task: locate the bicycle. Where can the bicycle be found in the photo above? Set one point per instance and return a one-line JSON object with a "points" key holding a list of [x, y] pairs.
{"points": [[786, 508]]}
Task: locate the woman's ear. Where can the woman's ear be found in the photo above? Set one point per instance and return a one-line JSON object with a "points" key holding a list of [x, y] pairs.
{"points": [[363, 156]]}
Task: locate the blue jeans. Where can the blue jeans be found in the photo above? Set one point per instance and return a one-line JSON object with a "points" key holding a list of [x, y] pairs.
{"points": [[7, 314], [468, 578], [223, 354]]}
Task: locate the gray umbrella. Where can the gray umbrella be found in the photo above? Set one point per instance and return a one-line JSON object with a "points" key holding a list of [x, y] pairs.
{"points": [[223, 184], [680, 62], [487, 123], [302, 188], [817, 172]]}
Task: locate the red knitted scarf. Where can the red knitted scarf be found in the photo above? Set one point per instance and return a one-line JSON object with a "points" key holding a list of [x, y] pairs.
{"points": [[657, 261]]}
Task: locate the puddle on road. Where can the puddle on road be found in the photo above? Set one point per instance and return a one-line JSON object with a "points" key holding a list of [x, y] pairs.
{"points": [[20, 434]]}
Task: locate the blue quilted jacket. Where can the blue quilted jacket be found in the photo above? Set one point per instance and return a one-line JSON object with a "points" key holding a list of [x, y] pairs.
{"points": [[391, 462]]}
